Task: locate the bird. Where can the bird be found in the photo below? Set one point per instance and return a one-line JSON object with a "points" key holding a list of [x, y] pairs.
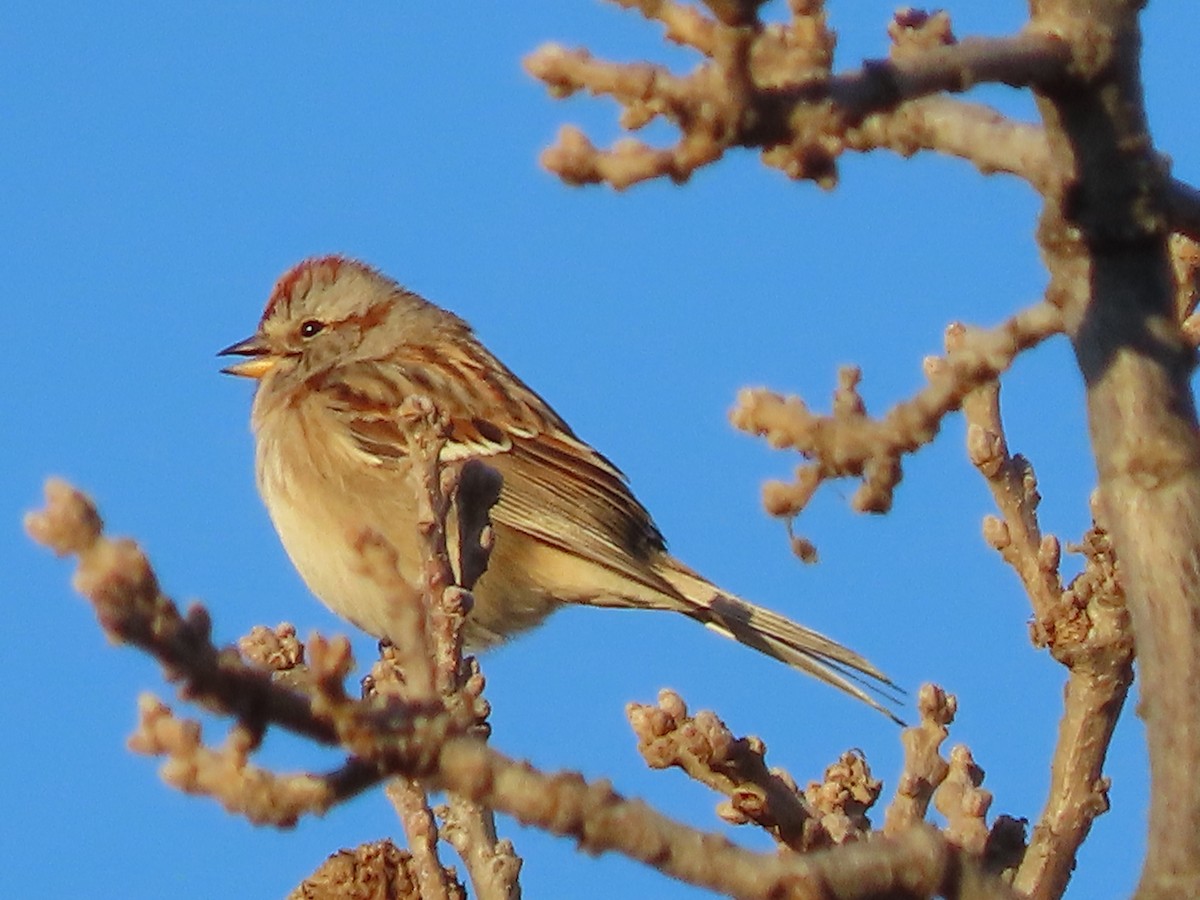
{"points": [[338, 349]]}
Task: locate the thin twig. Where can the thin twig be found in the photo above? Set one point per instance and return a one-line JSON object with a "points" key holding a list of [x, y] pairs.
{"points": [[433, 879], [1085, 626]]}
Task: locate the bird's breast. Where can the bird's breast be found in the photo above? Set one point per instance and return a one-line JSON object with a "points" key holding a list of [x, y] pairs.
{"points": [[324, 502]]}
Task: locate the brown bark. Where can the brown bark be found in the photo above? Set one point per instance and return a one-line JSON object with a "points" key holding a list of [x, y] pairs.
{"points": [[1104, 236]]}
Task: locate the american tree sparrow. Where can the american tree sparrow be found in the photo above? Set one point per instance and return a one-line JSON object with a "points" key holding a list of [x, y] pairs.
{"points": [[337, 350]]}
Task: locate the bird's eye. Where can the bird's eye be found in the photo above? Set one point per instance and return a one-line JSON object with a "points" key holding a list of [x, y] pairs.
{"points": [[311, 327]]}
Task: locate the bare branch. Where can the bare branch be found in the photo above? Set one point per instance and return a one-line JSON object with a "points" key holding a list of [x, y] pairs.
{"points": [[924, 768], [226, 774], [1090, 634], [388, 737], [917, 863], [493, 863], [1085, 626], [850, 443], [1016, 535], [773, 88], [116, 577], [1018, 61], [704, 747], [434, 881], [963, 802]]}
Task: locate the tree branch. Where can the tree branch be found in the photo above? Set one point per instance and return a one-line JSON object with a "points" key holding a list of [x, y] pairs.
{"points": [[441, 749], [849, 443], [1103, 235]]}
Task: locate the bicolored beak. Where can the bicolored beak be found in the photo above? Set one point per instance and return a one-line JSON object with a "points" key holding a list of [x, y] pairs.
{"points": [[260, 359]]}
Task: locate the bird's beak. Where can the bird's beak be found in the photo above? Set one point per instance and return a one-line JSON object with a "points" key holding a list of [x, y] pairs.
{"points": [[261, 359]]}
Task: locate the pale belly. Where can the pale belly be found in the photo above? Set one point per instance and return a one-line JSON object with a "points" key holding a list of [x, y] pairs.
{"points": [[322, 515], [322, 524]]}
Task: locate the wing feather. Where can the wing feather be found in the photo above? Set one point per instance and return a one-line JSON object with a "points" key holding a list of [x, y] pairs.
{"points": [[557, 489]]}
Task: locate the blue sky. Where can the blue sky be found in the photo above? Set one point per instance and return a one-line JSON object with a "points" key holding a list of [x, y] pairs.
{"points": [[162, 168]]}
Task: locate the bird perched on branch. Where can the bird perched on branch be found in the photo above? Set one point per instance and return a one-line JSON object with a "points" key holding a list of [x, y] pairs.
{"points": [[338, 349]]}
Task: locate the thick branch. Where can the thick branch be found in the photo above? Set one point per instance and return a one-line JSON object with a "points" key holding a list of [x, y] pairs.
{"points": [[1103, 235], [1018, 61]]}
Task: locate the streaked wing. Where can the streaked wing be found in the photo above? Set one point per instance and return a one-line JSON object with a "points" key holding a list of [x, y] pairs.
{"points": [[366, 396], [557, 489], [565, 494]]}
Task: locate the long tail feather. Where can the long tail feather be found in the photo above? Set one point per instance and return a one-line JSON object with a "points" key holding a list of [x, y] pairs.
{"points": [[781, 638]]}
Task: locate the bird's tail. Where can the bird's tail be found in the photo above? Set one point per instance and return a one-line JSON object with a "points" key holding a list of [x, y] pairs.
{"points": [[781, 638]]}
